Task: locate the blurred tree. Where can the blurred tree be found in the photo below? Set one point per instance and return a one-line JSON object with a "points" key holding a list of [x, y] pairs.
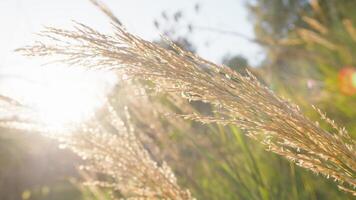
{"points": [[309, 43], [273, 19], [238, 63]]}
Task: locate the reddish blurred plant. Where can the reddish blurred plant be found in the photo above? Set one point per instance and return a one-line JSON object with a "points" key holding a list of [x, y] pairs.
{"points": [[347, 80]]}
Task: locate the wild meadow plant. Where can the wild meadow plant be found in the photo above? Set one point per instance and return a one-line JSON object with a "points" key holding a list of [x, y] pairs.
{"points": [[237, 99], [115, 159]]}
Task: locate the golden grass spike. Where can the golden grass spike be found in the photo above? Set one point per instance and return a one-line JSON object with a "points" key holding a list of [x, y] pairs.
{"points": [[106, 10], [315, 25], [350, 28], [111, 150], [242, 100], [310, 36]]}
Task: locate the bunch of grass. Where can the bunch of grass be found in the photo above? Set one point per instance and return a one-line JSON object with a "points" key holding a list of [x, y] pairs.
{"points": [[214, 161], [114, 156], [238, 99]]}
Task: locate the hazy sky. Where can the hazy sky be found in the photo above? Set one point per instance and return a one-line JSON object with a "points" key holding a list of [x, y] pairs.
{"points": [[19, 19]]}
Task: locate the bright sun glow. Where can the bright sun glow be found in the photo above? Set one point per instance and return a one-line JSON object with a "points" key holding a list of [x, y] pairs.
{"points": [[62, 96]]}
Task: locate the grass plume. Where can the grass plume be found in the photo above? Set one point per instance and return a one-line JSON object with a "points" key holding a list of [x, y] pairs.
{"points": [[112, 149], [240, 100], [115, 158]]}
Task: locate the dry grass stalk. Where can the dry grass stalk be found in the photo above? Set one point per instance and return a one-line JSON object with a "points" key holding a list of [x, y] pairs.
{"points": [[315, 24], [238, 99], [310, 36], [350, 28], [316, 7], [111, 150], [106, 11]]}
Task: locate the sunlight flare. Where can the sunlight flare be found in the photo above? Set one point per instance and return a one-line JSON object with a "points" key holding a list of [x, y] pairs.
{"points": [[62, 97]]}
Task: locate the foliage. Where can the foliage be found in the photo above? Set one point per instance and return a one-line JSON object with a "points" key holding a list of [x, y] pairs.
{"points": [[305, 62]]}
